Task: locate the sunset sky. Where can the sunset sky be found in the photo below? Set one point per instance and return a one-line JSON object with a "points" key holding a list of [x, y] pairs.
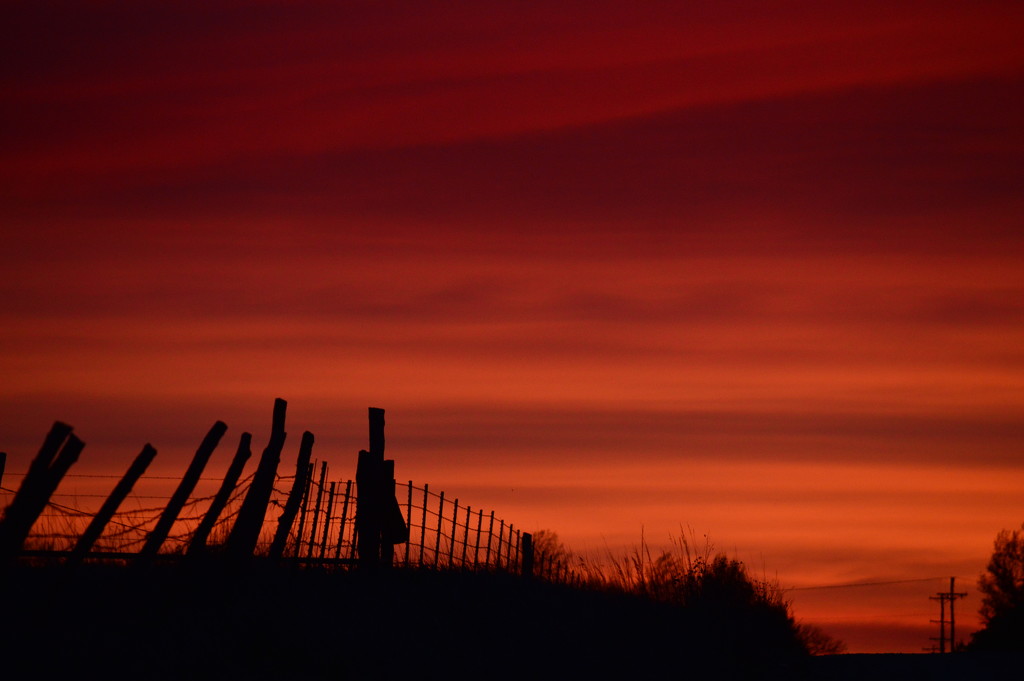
{"points": [[613, 269]]}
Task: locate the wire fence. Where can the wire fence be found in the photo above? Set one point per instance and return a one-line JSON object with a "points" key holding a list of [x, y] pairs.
{"points": [[443, 533]]}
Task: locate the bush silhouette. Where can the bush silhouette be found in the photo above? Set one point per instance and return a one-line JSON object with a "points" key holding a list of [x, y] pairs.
{"points": [[1002, 588]]}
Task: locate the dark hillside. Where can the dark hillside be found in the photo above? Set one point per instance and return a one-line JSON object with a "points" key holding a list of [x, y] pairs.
{"points": [[165, 623]]}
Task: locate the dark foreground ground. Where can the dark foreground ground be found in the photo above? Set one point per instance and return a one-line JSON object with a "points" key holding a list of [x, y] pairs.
{"points": [[923, 667], [212, 622]]}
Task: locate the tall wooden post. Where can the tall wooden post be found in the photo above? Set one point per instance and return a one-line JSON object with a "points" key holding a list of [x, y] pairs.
{"points": [[155, 539], [246, 531], [379, 521], [110, 506]]}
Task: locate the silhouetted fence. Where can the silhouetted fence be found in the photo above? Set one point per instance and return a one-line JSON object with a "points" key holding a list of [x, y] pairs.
{"points": [[306, 517]]}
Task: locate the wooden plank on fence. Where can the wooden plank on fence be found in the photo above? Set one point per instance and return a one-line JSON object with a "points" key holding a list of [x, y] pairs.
{"points": [[198, 543], [155, 539], [59, 451], [246, 531], [291, 506], [316, 509], [110, 506]]}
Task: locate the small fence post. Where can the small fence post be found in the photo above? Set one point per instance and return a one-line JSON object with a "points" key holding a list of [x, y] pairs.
{"points": [[106, 512], [476, 546], [455, 532], [344, 517], [465, 536], [527, 565], [327, 522], [316, 510], [307, 489], [497, 554], [246, 532], [440, 522], [490, 535], [155, 539], [423, 521], [287, 517], [408, 514], [202, 533]]}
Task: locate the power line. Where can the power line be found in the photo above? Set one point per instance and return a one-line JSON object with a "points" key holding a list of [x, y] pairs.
{"points": [[863, 584]]}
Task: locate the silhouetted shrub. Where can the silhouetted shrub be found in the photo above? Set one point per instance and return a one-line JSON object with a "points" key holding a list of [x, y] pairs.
{"points": [[1002, 588]]}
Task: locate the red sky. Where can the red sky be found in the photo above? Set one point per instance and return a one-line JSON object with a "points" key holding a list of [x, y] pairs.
{"points": [[750, 268]]}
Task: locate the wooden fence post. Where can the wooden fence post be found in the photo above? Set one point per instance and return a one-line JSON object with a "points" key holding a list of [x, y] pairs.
{"points": [[440, 524], [246, 531], [408, 515], [291, 506], [155, 539], [490, 535], [465, 535], [59, 451], [198, 543], [379, 521], [455, 530], [388, 502], [109, 507], [327, 521], [527, 565], [423, 520], [307, 489], [476, 545], [344, 516], [316, 509]]}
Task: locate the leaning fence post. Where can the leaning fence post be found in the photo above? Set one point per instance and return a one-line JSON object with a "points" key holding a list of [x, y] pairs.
{"points": [[106, 512], [220, 501], [246, 531], [527, 553], [59, 451], [155, 539], [284, 523]]}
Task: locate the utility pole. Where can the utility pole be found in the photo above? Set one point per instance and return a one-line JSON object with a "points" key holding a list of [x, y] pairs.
{"points": [[943, 598]]}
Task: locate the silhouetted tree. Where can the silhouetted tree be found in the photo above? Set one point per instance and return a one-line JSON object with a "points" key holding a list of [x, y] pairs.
{"points": [[1002, 588]]}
